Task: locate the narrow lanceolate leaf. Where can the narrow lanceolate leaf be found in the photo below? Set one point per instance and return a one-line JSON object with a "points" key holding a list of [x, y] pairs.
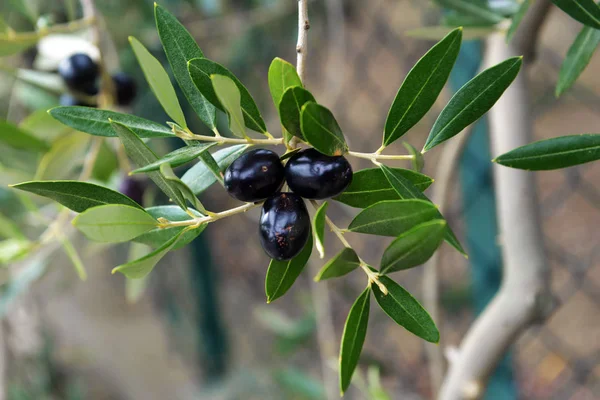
{"points": [[180, 47], [282, 75], [200, 70], [343, 263], [353, 338], [230, 98], [393, 218], [421, 87], [142, 266], [177, 157], [281, 275], [20, 139], [185, 191], [585, 11], [114, 223], [159, 81], [290, 107], [75, 195], [555, 153], [212, 165], [406, 310], [370, 186], [158, 236], [473, 100], [578, 57], [321, 130], [319, 228], [517, 18], [413, 247], [418, 161], [95, 122], [407, 190], [137, 150], [472, 8], [10, 230], [200, 177]]}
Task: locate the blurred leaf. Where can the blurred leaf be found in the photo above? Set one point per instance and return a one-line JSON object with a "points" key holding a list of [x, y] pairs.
{"points": [[517, 18], [157, 236], [19, 139], [4, 27], [24, 7], [585, 11], [393, 218], [370, 186], [405, 310], [141, 267], [114, 223], [578, 57], [199, 177], [281, 275], [343, 263], [142, 155], [439, 32], [106, 163], [353, 338], [230, 98], [64, 156], [413, 247], [477, 9], [421, 87], [75, 195], [407, 190], [20, 282], [9, 229], [456, 19], [473, 100], [418, 161], [554, 153], [180, 47], [159, 82], [177, 157], [95, 122], [71, 252], [300, 385], [10, 45], [13, 249], [282, 75], [212, 165], [47, 81], [186, 192], [290, 107], [376, 391], [43, 126], [321, 130], [319, 228], [282, 325], [201, 69]]}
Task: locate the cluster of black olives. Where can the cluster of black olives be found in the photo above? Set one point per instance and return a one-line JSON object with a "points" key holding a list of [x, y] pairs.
{"points": [[80, 73], [284, 222]]}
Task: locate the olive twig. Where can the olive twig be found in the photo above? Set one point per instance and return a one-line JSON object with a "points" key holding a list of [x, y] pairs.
{"points": [[187, 135], [373, 277], [377, 156], [72, 26], [211, 217]]}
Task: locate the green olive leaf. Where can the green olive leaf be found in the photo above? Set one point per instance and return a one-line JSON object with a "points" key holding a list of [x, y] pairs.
{"points": [[343, 263], [114, 223], [319, 228], [321, 130]]}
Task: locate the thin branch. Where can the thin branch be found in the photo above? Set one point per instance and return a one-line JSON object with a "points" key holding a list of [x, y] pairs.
{"points": [[526, 37], [524, 297], [302, 45], [376, 156]]}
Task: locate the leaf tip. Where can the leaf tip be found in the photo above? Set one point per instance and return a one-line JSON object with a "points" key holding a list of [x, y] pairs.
{"points": [[155, 5], [115, 270]]}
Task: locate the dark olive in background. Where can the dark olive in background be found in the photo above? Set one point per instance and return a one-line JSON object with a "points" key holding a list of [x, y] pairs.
{"points": [[133, 188], [79, 73], [314, 175], [254, 176], [125, 88], [67, 99], [284, 226]]}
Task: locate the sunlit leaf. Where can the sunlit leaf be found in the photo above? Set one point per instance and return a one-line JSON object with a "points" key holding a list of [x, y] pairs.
{"points": [[177, 157], [290, 108], [114, 223], [65, 155], [343, 263], [321, 130], [230, 98], [319, 228], [282, 75]]}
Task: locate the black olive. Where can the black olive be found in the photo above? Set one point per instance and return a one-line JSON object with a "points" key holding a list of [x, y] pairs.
{"points": [[125, 88], [79, 73], [254, 176], [314, 175], [133, 188], [284, 226]]}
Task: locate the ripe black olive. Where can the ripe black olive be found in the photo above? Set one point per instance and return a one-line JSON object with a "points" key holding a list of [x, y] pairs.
{"points": [[314, 175], [133, 188], [254, 176], [125, 88], [284, 226], [79, 73]]}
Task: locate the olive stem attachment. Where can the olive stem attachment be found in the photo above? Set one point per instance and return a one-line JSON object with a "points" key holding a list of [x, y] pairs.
{"points": [[211, 217], [187, 135], [376, 156], [372, 276]]}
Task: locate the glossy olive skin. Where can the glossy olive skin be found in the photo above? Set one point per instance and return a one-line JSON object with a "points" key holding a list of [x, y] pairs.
{"points": [[254, 176], [314, 175], [284, 226], [79, 73], [125, 88]]}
